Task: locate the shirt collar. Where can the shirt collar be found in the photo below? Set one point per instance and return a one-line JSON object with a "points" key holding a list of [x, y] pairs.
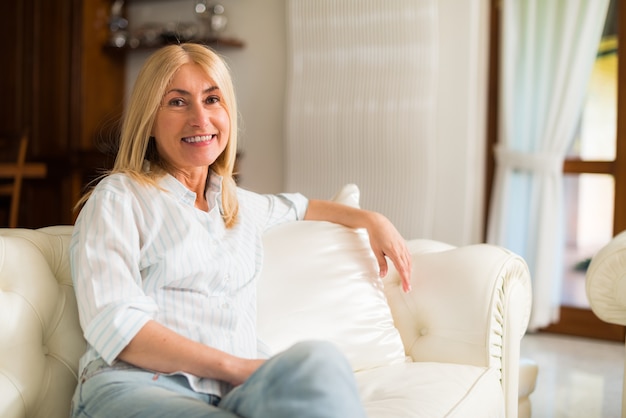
{"points": [[213, 190]]}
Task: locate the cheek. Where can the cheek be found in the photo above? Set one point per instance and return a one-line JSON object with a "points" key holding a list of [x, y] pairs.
{"points": [[224, 123], [224, 120], [158, 126], [167, 124]]}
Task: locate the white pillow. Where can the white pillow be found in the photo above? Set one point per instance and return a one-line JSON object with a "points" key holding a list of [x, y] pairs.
{"points": [[320, 281]]}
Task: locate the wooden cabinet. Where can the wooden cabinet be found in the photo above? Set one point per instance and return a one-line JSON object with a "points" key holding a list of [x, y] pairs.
{"points": [[56, 86], [60, 86]]}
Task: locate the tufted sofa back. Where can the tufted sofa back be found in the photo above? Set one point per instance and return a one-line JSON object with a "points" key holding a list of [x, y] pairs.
{"points": [[40, 337]]}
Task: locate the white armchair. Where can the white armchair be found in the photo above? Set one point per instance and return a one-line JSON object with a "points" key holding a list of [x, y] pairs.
{"points": [[606, 286]]}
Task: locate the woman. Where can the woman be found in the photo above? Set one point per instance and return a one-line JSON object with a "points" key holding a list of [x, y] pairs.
{"points": [[164, 257]]}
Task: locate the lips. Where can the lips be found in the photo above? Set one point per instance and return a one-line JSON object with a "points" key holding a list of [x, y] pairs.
{"points": [[198, 138]]}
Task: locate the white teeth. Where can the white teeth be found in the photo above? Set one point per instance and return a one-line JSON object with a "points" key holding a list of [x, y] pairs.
{"points": [[201, 138]]}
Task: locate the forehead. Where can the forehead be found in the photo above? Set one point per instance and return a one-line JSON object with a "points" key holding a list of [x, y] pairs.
{"points": [[191, 77]]}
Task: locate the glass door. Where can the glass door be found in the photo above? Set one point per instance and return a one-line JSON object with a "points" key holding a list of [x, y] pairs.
{"points": [[594, 171]]}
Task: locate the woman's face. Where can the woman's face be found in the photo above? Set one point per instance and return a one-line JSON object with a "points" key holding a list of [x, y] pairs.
{"points": [[192, 126]]}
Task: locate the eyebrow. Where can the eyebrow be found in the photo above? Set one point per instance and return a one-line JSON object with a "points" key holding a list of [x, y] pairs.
{"points": [[186, 93]]}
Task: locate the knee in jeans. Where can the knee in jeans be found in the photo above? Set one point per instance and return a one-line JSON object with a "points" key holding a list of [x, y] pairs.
{"points": [[320, 354]]}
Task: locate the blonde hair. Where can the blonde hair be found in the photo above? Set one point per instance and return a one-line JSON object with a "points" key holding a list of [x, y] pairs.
{"points": [[135, 144]]}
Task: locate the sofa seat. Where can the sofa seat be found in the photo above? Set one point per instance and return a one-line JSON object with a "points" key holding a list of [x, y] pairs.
{"points": [[428, 390]]}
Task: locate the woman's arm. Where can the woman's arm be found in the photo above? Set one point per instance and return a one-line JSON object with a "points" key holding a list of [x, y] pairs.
{"points": [[160, 349], [385, 240]]}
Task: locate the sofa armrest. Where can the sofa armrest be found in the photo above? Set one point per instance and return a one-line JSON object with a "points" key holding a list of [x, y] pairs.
{"points": [[606, 281], [469, 305], [41, 346]]}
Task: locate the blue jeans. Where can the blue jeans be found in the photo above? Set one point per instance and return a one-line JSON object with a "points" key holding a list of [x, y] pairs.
{"points": [[311, 379]]}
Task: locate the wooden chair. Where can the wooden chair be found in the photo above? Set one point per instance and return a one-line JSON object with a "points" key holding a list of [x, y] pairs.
{"points": [[13, 188]]}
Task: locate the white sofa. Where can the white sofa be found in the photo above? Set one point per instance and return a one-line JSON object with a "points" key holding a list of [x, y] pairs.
{"points": [[606, 287], [450, 348]]}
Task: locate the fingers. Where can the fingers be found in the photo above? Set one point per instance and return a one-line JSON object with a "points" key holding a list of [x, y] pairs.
{"points": [[402, 261], [386, 241], [382, 264], [406, 281], [404, 268]]}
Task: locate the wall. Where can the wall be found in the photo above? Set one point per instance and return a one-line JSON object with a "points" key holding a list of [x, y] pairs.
{"points": [[461, 140], [259, 74]]}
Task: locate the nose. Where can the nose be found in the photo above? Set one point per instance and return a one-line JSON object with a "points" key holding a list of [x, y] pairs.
{"points": [[199, 116]]}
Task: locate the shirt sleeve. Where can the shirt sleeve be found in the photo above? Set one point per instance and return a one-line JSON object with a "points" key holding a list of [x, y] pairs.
{"points": [[104, 258], [269, 210], [296, 202]]}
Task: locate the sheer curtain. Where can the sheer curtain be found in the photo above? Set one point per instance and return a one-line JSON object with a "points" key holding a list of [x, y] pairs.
{"points": [[361, 104], [547, 53]]}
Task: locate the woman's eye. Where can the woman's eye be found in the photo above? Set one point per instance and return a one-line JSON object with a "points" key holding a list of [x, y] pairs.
{"points": [[176, 102], [212, 99]]}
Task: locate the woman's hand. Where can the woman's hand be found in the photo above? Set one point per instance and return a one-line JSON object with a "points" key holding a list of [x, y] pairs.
{"points": [[386, 241]]}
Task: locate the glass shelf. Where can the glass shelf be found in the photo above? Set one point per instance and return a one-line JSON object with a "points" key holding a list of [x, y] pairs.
{"points": [[213, 42]]}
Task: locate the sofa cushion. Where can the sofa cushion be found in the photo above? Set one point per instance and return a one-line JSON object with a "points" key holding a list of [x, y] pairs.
{"points": [[427, 389], [322, 283]]}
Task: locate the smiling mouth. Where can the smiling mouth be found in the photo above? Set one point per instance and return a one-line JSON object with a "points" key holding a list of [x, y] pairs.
{"points": [[199, 138]]}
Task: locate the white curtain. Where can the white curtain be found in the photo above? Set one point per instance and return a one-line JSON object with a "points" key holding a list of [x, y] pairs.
{"points": [[361, 103], [547, 52]]}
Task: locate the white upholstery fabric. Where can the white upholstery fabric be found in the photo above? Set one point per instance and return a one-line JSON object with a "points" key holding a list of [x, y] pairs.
{"points": [[461, 324], [606, 281], [426, 390], [528, 371], [40, 338], [452, 329], [340, 299], [606, 287]]}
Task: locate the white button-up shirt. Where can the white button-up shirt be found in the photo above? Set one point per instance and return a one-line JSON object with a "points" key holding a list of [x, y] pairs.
{"points": [[139, 253]]}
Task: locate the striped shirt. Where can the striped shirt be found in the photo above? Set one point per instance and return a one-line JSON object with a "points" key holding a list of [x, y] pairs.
{"points": [[139, 253]]}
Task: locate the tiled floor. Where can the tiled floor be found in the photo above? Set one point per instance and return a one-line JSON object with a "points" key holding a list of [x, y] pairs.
{"points": [[578, 377]]}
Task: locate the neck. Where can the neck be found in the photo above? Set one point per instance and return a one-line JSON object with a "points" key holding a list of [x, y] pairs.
{"points": [[201, 203]]}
